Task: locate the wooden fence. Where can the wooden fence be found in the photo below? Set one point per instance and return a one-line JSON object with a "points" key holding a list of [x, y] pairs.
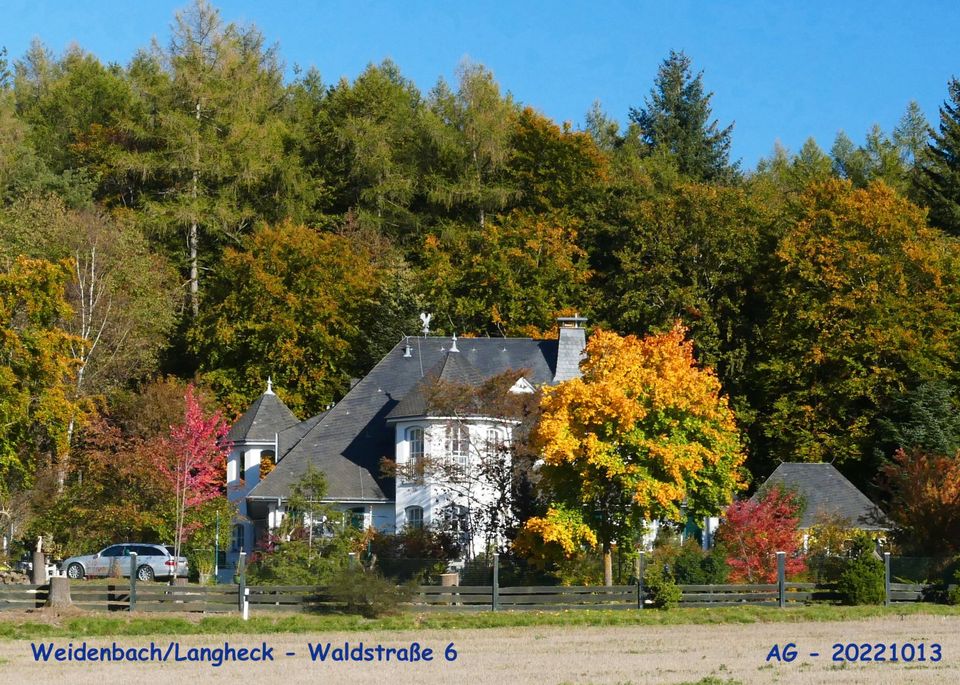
{"points": [[149, 598], [20, 597], [154, 597]]}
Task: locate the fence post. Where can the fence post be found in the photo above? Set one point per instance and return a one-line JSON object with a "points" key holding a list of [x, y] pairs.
{"points": [[133, 581], [641, 567], [781, 578], [38, 570], [241, 581], [886, 579], [495, 600]]}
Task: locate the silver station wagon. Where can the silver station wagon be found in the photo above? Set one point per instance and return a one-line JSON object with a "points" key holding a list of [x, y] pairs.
{"points": [[153, 561]]}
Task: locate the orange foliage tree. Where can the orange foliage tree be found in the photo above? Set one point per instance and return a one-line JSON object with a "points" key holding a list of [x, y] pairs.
{"points": [[925, 500], [643, 435]]}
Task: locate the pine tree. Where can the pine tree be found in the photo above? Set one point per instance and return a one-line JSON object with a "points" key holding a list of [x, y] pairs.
{"points": [[215, 147], [938, 180], [677, 116]]}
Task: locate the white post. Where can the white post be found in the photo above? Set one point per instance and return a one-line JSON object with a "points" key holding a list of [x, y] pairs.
{"points": [[246, 603]]}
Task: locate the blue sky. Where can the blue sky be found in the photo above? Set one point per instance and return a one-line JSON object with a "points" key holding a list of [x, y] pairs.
{"points": [[780, 71]]}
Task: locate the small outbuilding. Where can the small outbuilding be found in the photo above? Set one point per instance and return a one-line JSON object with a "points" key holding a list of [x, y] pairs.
{"points": [[827, 495]]}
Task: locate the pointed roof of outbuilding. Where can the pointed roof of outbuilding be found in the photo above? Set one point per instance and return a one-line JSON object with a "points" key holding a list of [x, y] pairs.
{"points": [[266, 417], [827, 493]]}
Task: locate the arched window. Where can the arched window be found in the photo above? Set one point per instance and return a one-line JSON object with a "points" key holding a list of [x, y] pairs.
{"points": [[415, 442], [236, 539], [267, 462], [414, 517], [458, 444]]}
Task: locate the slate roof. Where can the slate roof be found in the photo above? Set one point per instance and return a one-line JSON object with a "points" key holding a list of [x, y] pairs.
{"points": [[266, 417], [348, 442], [828, 493], [288, 439], [453, 369]]}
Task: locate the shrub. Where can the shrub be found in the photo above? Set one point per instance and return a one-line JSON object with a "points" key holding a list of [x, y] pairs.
{"points": [[366, 592], [693, 566], [660, 587], [953, 592], [862, 580], [413, 553]]}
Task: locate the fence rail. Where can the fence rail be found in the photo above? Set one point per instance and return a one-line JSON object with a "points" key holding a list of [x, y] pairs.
{"points": [[21, 597], [154, 597]]}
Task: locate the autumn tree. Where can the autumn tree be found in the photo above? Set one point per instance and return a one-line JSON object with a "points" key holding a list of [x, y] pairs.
{"points": [[754, 530], [924, 488], [858, 310], [514, 278], [111, 492], [192, 463], [644, 435], [298, 305], [553, 168], [676, 118], [36, 369]]}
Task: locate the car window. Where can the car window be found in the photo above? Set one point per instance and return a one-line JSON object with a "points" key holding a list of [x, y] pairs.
{"points": [[112, 551], [148, 551]]}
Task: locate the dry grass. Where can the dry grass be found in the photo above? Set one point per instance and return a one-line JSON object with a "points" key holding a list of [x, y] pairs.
{"points": [[545, 655]]}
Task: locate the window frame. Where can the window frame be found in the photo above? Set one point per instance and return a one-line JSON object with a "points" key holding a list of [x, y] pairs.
{"points": [[237, 538], [457, 444], [413, 522], [416, 459]]}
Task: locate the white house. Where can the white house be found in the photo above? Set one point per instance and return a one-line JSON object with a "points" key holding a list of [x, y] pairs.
{"points": [[386, 415]]}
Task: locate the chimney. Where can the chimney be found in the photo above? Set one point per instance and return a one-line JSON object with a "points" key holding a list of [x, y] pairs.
{"points": [[573, 338]]}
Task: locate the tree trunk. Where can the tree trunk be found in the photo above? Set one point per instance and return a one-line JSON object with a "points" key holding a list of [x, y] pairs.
{"points": [[194, 271], [192, 239], [607, 564]]}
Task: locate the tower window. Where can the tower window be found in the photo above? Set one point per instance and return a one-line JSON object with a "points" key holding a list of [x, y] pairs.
{"points": [[458, 444]]}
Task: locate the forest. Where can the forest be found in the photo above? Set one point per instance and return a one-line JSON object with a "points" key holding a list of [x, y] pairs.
{"points": [[194, 216]]}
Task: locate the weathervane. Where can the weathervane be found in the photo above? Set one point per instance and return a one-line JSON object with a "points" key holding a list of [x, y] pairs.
{"points": [[426, 322]]}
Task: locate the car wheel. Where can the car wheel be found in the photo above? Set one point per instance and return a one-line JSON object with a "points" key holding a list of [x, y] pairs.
{"points": [[75, 571], [144, 573]]}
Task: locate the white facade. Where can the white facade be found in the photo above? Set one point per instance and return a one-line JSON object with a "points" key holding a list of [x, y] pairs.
{"points": [[243, 473], [454, 481]]}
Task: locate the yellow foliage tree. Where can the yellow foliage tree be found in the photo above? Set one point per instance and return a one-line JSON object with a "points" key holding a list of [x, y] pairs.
{"points": [[643, 435]]}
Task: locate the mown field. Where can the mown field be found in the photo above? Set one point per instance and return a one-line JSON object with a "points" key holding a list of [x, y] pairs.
{"points": [[681, 646]]}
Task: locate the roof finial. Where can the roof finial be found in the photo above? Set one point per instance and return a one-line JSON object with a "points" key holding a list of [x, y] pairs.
{"points": [[453, 347], [269, 385]]}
